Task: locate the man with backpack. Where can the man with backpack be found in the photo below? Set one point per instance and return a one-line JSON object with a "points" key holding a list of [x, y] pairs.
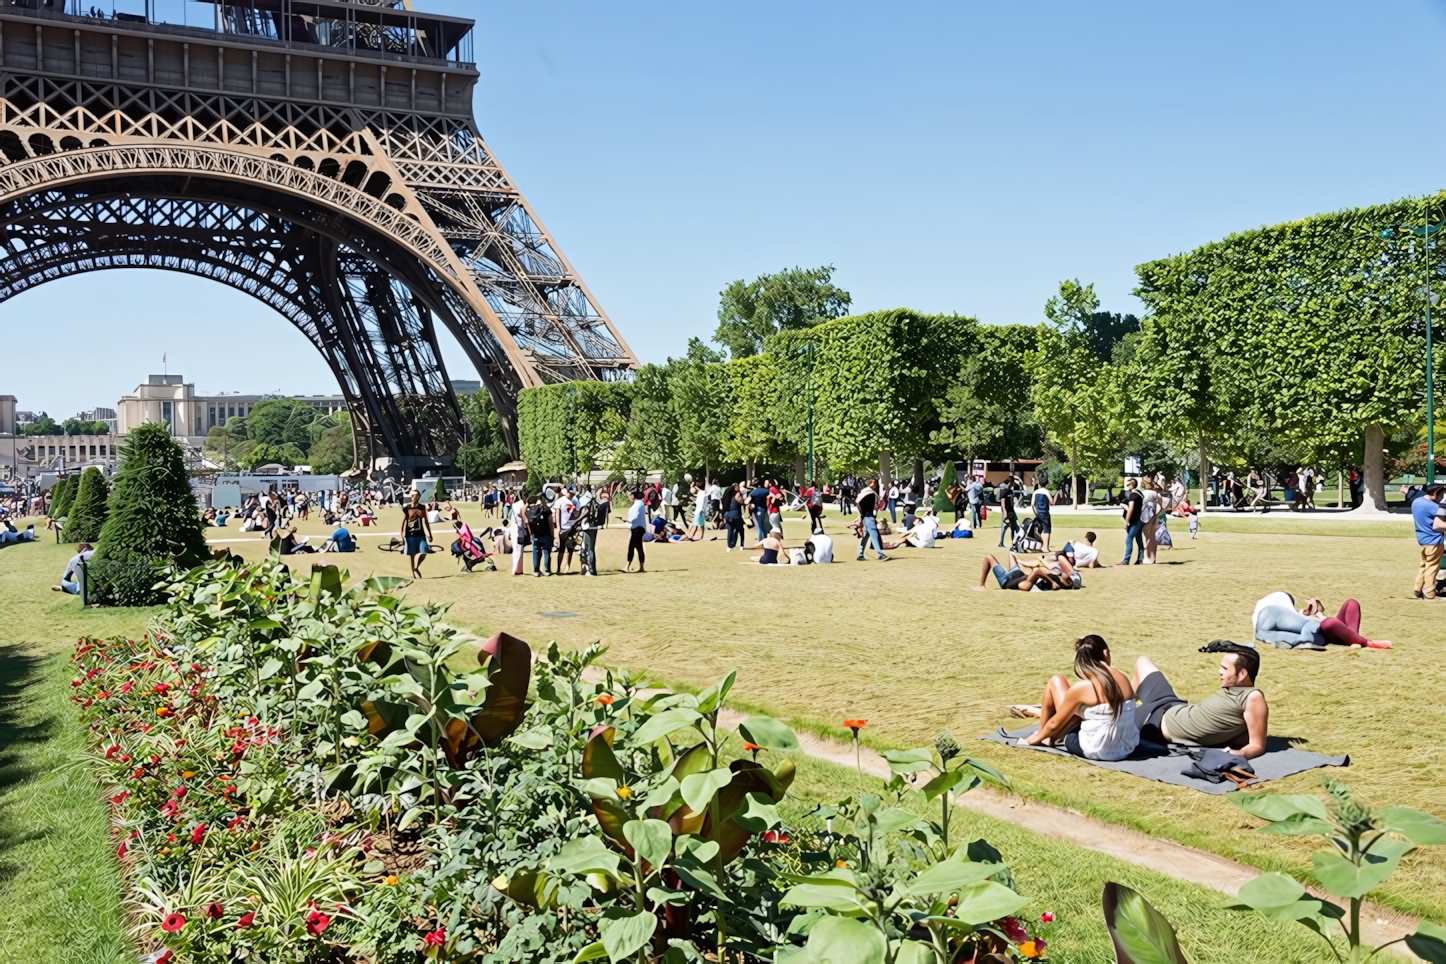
{"points": [[1008, 519], [539, 531], [594, 514]]}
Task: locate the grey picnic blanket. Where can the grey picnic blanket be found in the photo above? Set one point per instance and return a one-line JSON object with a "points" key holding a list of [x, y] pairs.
{"points": [[1162, 763]]}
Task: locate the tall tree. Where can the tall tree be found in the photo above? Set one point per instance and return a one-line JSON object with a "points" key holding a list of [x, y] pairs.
{"points": [[986, 409], [485, 450], [750, 311], [1067, 373], [334, 450], [701, 403], [278, 421], [88, 512]]}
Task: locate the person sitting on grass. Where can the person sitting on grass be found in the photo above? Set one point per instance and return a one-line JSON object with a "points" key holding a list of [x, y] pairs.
{"points": [[921, 533], [1093, 718], [1035, 576], [1082, 555], [772, 546], [1235, 716], [340, 540], [70, 580]]}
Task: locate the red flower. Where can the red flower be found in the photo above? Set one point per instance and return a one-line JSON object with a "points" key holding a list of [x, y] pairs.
{"points": [[120, 796], [1013, 929], [246, 920], [127, 686], [234, 822], [436, 938], [776, 836], [170, 838], [316, 922], [198, 834], [137, 773], [173, 923], [167, 957], [170, 809], [120, 852], [75, 683], [162, 688], [751, 747], [1047, 917], [102, 695], [215, 911], [855, 725], [179, 792]]}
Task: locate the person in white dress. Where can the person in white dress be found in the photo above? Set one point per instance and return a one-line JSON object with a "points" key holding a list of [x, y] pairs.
{"points": [[1093, 718]]}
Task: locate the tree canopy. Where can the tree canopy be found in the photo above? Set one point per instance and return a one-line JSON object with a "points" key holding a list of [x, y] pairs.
{"points": [[750, 311], [278, 421]]}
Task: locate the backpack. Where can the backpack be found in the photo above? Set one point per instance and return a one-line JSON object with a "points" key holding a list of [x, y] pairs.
{"points": [[537, 518]]}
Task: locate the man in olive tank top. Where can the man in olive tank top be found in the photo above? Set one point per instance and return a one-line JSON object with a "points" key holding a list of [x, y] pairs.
{"points": [[1235, 716]]}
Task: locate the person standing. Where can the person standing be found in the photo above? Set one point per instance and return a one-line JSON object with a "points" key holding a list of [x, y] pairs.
{"points": [[893, 502], [813, 498], [1043, 499], [1008, 517], [868, 525], [1134, 528], [758, 500], [846, 496], [416, 534], [566, 520], [1430, 534], [637, 525], [594, 511], [539, 532], [974, 492], [776, 500], [700, 514], [669, 497], [733, 504]]}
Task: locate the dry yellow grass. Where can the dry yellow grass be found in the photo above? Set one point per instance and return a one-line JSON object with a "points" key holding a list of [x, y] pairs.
{"points": [[908, 646]]}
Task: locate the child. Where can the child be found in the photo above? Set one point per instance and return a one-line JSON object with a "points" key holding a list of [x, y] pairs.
{"points": [[1194, 523]]}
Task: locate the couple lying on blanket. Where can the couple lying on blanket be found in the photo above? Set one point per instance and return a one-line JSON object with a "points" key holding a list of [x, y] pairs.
{"points": [[1106, 714]]}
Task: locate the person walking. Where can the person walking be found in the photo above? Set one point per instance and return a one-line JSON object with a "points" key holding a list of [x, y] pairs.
{"points": [[539, 531], [733, 505], [868, 526], [416, 534], [1008, 517], [1134, 527], [974, 492], [637, 525], [1043, 499], [1426, 512]]}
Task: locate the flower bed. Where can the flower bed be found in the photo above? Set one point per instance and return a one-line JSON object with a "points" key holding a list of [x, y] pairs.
{"points": [[302, 771]]}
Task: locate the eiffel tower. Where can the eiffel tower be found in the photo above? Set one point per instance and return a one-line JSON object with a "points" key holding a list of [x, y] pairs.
{"points": [[319, 155]]}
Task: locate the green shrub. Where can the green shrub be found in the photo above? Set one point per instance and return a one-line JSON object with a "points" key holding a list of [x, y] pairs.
{"points": [[152, 514], [88, 512], [61, 495], [111, 582]]}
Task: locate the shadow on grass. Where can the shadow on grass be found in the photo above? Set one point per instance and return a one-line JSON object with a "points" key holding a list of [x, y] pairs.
{"points": [[19, 670]]}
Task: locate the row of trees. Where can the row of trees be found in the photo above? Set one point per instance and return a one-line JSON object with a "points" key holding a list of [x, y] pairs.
{"points": [[75, 425], [284, 431], [1301, 343]]}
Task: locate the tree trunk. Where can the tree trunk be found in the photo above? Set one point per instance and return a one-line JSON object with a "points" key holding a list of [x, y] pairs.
{"points": [[1375, 469], [799, 467], [1340, 486], [919, 478], [1073, 472], [1204, 474], [748, 468], [885, 468]]}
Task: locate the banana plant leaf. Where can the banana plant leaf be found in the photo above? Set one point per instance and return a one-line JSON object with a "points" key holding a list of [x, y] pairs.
{"points": [[748, 777], [508, 662]]}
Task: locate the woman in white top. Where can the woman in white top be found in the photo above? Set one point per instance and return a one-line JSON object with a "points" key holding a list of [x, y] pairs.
{"points": [[1094, 718]]}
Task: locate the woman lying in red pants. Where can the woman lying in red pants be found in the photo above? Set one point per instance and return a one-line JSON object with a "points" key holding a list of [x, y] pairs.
{"points": [[1344, 628]]}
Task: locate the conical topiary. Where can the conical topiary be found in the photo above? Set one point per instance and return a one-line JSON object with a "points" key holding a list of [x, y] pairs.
{"points": [[942, 501], [440, 495], [61, 495], [152, 518], [88, 511]]}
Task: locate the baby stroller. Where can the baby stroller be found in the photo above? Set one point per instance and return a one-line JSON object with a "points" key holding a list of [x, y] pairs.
{"points": [[1029, 537], [469, 557]]}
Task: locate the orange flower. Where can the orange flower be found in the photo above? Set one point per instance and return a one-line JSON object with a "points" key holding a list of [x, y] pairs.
{"points": [[163, 711], [606, 699], [855, 725], [1032, 949], [187, 774], [752, 747], [841, 864], [625, 792]]}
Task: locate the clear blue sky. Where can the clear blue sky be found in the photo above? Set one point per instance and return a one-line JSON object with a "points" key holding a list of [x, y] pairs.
{"points": [[952, 157]]}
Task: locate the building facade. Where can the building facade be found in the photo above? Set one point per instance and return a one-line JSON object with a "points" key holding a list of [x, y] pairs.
{"points": [[172, 401]]}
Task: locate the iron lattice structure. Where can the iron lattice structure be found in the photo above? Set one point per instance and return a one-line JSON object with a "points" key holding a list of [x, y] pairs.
{"points": [[319, 155]]}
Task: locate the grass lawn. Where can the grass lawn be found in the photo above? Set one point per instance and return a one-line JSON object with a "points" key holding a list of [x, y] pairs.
{"points": [[908, 646], [904, 644]]}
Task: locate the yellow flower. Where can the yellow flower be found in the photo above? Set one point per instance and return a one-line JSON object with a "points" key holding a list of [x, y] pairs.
{"points": [[841, 864], [391, 881], [624, 792]]}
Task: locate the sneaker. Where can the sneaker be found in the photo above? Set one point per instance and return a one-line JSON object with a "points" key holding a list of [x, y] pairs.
{"points": [[538, 575], [1420, 594], [883, 558]]}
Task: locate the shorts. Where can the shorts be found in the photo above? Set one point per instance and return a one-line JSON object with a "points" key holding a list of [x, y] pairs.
{"points": [[1008, 578], [699, 519], [416, 545], [1046, 525], [1156, 697]]}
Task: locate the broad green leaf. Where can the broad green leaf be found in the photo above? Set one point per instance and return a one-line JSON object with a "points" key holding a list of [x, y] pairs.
{"points": [[538, 739], [652, 840], [703, 851], [950, 875], [409, 818], [895, 819], [942, 783], [905, 762], [265, 622], [985, 901], [698, 788], [583, 856], [269, 668], [1341, 878], [1298, 825], [826, 891], [664, 723], [623, 936], [768, 733], [1271, 890], [713, 697], [1140, 933], [604, 787], [842, 940], [988, 773], [354, 719], [1421, 829], [416, 721], [914, 952], [593, 952], [1429, 942], [757, 814], [700, 879], [1280, 806]]}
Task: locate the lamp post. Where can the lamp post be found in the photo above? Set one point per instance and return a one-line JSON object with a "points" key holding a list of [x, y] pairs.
{"points": [[1424, 232]]}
